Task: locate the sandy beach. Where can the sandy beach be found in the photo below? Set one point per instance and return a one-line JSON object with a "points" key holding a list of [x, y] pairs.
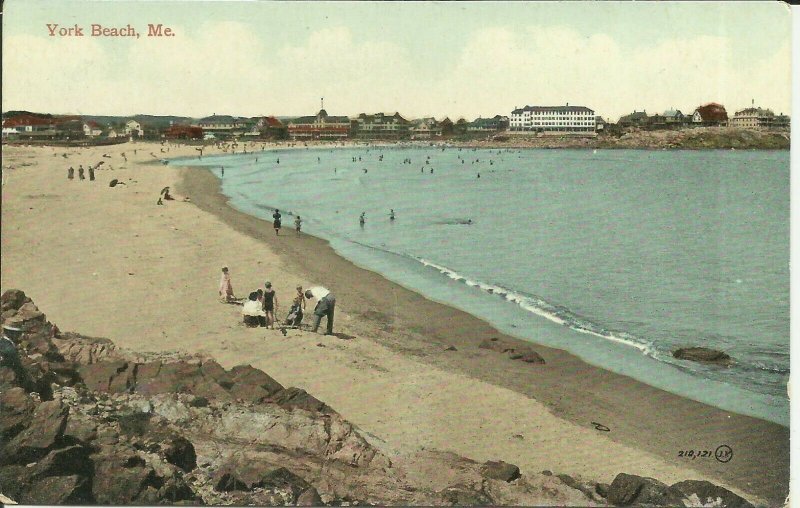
{"points": [[109, 262]]}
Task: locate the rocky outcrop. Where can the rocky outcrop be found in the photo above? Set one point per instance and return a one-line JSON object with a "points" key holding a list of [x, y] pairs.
{"points": [[632, 490], [703, 355], [85, 422]]}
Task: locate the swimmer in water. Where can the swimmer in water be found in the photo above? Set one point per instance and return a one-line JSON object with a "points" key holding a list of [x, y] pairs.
{"points": [[391, 214]]}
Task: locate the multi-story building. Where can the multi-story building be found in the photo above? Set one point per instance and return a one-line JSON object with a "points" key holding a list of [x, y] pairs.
{"points": [[425, 128], [223, 126], [381, 126], [567, 119], [758, 118], [91, 129], [133, 129], [320, 126]]}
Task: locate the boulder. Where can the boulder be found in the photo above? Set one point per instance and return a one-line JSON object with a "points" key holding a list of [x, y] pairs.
{"points": [[291, 398], [703, 355], [46, 428], [13, 299], [16, 411], [86, 350], [628, 489], [28, 317], [283, 479], [499, 470], [72, 460], [251, 384], [710, 494], [179, 451], [173, 377], [80, 429], [99, 376], [309, 497], [58, 490], [526, 355], [461, 495], [240, 473], [119, 478]]}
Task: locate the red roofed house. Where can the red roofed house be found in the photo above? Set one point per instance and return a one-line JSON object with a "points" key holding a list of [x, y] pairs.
{"points": [[710, 114], [29, 126], [268, 127], [184, 132]]}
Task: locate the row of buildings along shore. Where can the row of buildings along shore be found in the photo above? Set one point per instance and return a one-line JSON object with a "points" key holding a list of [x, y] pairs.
{"points": [[525, 121]]}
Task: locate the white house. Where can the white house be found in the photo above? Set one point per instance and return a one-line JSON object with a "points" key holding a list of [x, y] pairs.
{"points": [[91, 129], [133, 128], [553, 120]]}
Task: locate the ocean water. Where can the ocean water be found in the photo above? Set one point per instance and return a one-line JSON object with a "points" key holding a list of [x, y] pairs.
{"points": [[619, 256]]}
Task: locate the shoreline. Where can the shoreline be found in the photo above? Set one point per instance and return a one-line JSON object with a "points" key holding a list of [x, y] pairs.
{"points": [[572, 389], [109, 262]]}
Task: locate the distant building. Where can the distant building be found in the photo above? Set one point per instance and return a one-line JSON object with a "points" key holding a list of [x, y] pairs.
{"points": [[184, 132], [635, 119], [758, 118], [91, 129], [134, 129], [381, 126], [111, 133], [425, 128], [674, 117], [553, 120], [267, 127], [447, 127], [711, 114], [29, 127], [223, 126], [321, 126], [600, 123], [494, 124]]}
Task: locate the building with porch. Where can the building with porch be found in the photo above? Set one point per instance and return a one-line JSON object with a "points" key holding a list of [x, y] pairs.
{"points": [[563, 120]]}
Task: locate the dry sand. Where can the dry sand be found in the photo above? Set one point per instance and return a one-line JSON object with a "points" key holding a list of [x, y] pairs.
{"points": [[109, 262]]}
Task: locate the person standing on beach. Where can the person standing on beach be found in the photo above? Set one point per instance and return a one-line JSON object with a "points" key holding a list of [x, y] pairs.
{"points": [[298, 222], [225, 287], [80, 172], [325, 306], [222, 169], [91, 173], [270, 304], [71, 173], [276, 221]]}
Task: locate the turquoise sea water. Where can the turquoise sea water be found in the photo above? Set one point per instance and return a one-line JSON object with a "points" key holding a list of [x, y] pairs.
{"points": [[618, 256]]}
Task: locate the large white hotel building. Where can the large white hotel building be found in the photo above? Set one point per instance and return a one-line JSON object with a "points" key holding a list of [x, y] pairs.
{"points": [[553, 120]]}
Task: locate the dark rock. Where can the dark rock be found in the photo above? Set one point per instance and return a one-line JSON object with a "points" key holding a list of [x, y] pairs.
{"points": [[175, 377], [58, 490], [72, 460], [627, 489], [176, 489], [16, 411], [13, 299], [527, 355], [291, 398], [180, 452], [114, 483], [250, 384], [199, 401], [134, 424], [228, 481], [495, 344], [461, 495], [282, 478], [568, 480], [14, 480], [708, 493], [214, 371], [99, 376], [450, 348], [28, 317], [309, 497], [499, 470], [602, 489], [46, 428], [703, 355]]}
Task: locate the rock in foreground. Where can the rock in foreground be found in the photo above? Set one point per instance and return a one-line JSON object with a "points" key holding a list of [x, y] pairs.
{"points": [[703, 355]]}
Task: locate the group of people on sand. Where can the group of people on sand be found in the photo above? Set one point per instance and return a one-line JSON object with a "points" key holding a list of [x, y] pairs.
{"points": [[82, 172], [276, 222], [261, 305]]}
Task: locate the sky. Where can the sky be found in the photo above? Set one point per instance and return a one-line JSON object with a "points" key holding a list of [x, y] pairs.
{"points": [[456, 59]]}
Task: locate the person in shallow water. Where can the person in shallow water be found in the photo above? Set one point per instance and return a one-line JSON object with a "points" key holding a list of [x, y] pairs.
{"points": [[276, 221]]}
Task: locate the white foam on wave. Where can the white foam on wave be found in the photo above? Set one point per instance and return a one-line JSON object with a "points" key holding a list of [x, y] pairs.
{"points": [[544, 309]]}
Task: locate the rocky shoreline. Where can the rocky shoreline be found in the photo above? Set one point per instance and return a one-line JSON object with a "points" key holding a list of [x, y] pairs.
{"points": [[86, 422]]}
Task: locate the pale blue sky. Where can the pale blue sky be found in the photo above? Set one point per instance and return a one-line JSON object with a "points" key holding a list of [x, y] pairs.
{"points": [[421, 58]]}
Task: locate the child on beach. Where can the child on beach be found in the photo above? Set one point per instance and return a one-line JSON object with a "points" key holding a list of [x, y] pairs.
{"points": [[295, 316], [225, 287], [298, 222]]}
